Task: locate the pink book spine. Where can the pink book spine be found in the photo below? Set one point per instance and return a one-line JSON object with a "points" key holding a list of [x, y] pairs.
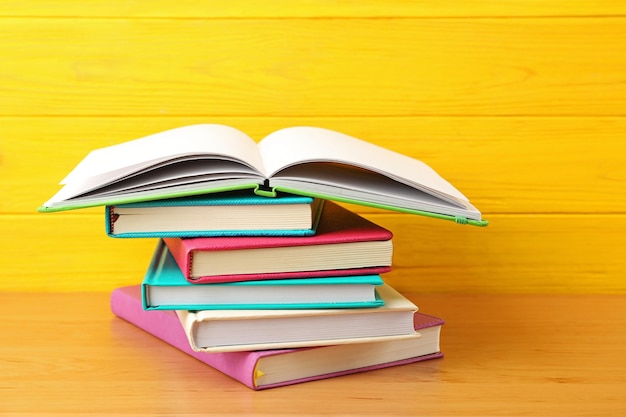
{"points": [[126, 304], [181, 255]]}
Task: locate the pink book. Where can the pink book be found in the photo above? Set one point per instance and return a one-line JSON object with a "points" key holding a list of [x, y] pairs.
{"points": [[265, 369], [345, 244]]}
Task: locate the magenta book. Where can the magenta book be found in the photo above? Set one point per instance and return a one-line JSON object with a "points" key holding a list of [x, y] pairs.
{"points": [[345, 244], [279, 367]]}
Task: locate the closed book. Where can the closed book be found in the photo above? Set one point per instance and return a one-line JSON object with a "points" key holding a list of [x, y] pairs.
{"points": [[263, 369], [237, 330], [165, 287], [238, 213], [344, 244]]}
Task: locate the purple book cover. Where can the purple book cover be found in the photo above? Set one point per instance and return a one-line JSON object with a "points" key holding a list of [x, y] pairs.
{"points": [[165, 325]]}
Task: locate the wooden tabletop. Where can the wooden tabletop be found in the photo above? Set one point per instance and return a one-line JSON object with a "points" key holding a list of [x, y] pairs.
{"points": [[505, 355]]}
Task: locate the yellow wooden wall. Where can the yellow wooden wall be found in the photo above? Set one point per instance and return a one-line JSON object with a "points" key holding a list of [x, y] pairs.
{"points": [[520, 104]]}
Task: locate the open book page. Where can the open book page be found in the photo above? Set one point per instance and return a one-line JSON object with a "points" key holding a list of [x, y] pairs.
{"points": [[362, 185], [297, 145], [196, 171], [106, 165]]}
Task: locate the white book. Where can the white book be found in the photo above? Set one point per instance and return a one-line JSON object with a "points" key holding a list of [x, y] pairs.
{"points": [[302, 160], [242, 330]]}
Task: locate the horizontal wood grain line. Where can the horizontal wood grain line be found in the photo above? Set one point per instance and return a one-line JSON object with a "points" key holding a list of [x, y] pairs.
{"points": [[515, 254], [620, 15], [313, 67], [326, 8], [504, 165], [203, 117], [303, 116]]}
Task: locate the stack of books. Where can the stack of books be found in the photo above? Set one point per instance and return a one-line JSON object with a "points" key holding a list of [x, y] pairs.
{"points": [[258, 270], [296, 296]]}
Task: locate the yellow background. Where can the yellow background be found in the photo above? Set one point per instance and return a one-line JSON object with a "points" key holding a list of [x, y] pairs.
{"points": [[520, 104]]}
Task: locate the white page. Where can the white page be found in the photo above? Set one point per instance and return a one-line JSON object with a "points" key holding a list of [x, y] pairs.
{"points": [[105, 165], [359, 184], [294, 145], [117, 161], [190, 171]]}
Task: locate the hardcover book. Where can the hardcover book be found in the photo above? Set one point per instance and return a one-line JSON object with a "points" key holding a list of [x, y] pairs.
{"points": [[344, 244], [302, 160], [238, 213], [165, 288], [264, 369], [237, 330]]}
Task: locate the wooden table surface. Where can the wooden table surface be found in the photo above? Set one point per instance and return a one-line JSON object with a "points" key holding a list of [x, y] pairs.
{"points": [[506, 355]]}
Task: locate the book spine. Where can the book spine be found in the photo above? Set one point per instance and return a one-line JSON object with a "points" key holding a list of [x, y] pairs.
{"points": [[109, 221], [181, 255], [165, 326]]}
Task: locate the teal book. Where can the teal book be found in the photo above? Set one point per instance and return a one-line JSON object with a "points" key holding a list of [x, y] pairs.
{"points": [[165, 288], [302, 160], [237, 213]]}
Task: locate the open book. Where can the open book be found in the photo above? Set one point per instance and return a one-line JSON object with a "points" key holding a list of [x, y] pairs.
{"points": [[310, 161]]}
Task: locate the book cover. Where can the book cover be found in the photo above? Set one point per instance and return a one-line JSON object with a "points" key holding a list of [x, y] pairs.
{"points": [[302, 160], [237, 330], [344, 244], [240, 213], [274, 368], [165, 287]]}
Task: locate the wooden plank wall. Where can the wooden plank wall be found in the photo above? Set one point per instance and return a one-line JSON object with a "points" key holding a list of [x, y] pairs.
{"points": [[520, 104]]}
